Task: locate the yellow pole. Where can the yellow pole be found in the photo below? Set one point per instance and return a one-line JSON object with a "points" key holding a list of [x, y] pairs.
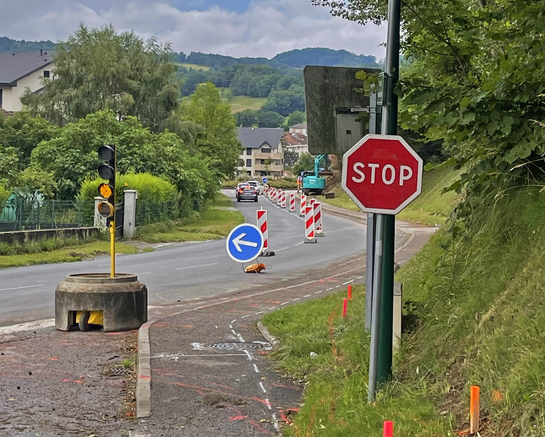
{"points": [[112, 223], [112, 246]]}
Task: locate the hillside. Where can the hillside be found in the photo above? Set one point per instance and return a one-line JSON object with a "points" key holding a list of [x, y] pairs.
{"points": [[11, 45]]}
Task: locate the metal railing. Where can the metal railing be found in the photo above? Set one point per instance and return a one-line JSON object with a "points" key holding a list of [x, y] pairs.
{"points": [[21, 214], [147, 213]]}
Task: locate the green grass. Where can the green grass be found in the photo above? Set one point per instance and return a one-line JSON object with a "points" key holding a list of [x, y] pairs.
{"points": [[240, 103], [474, 314], [431, 207], [193, 66], [69, 253], [215, 224]]}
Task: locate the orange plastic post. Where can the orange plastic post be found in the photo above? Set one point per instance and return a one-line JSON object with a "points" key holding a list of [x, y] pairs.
{"points": [[345, 304], [350, 292], [388, 429], [474, 409]]}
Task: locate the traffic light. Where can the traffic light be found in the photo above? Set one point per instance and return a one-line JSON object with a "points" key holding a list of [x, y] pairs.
{"points": [[106, 170]]}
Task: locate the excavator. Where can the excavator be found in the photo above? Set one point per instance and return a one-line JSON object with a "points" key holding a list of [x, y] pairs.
{"points": [[313, 181]]}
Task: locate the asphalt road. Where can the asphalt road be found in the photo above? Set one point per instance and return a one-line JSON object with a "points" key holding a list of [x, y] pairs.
{"points": [[184, 271]]}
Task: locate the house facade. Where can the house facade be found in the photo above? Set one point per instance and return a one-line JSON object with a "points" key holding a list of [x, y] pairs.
{"points": [[263, 154], [19, 71], [300, 128]]}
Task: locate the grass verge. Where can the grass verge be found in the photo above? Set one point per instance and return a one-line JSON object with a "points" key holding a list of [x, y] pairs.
{"points": [[71, 251], [216, 223], [474, 314]]}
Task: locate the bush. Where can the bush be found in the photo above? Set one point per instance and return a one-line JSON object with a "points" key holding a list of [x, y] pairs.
{"points": [[151, 189]]}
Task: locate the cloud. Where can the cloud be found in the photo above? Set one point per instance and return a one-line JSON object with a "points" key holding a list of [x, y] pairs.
{"points": [[253, 28]]}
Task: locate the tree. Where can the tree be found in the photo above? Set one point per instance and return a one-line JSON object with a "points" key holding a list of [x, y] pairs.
{"points": [[247, 118], [287, 101], [474, 81], [99, 69], [304, 163], [269, 118], [219, 144], [295, 117]]}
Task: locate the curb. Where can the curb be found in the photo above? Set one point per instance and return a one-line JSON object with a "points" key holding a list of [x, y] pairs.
{"points": [[267, 335], [143, 372]]}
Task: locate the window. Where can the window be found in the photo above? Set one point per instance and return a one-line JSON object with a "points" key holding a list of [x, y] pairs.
{"points": [[248, 162], [46, 73], [248, 152], [266, 150]]}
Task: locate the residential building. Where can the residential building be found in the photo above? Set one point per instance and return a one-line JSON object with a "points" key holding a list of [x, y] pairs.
{"points": [[262, 154], [299, 128], [295, 142], [19, 71]]}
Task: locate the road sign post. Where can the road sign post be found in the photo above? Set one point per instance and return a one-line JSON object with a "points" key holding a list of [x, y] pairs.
{"points": [[382, 174], [244, 243]]}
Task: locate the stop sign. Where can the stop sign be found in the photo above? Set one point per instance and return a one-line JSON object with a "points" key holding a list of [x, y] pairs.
{"points": [[382, 174]]}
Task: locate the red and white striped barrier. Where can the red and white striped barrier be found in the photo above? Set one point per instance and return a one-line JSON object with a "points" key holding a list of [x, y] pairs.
{"points": [[279, 198], [312, 201], [263, 226], [283, 200], [274, 195], [302, 205], [292, 202], [318, 222], [309, 225]]}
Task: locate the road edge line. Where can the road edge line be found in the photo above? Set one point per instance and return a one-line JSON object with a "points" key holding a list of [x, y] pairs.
{"points": [[143, 372]]}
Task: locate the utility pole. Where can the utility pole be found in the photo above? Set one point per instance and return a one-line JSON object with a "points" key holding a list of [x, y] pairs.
{"points": [[380, 362]]}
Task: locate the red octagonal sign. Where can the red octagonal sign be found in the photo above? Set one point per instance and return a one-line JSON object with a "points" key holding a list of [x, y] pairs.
{"points": [[382, 174]]}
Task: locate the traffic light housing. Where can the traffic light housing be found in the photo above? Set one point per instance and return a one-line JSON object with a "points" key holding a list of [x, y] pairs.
{"points": [[106, 170]]}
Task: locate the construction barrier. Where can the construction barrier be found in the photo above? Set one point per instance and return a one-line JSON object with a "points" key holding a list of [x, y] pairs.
{"points": [[292, 202], [263, 226], [279, 198], [309, 225], [318, 222], [303, 204], [283, 200]]}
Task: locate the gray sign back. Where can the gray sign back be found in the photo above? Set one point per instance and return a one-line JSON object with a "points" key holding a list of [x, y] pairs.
{"points": [[336, 113]]}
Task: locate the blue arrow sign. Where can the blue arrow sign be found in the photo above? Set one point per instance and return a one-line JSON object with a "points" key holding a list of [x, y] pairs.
{"points": [[244, 243], [264, 180]]}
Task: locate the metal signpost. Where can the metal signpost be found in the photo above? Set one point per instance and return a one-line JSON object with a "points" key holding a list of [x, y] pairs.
{"points": [[244, 243], [382, 174]]}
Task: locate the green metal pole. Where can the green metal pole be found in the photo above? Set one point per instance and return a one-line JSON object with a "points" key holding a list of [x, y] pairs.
{"points": [[389, 127]]}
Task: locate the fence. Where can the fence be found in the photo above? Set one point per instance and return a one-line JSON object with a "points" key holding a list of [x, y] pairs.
{"points": [[147, 213], [20, 214]]}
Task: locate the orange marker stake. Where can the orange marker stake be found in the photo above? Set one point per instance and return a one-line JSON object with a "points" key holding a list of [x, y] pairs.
{"points": [[388, 429], [345, 304], [350, 292], [474, 409]]}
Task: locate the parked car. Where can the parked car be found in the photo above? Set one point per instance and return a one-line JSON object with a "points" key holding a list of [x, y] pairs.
{"points": [[246, 192], [257, 185]]}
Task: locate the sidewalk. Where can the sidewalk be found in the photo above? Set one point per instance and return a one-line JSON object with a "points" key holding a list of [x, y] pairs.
{"points": [[203, 370]]}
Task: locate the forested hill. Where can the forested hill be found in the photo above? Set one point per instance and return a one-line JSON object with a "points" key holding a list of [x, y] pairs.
{"points": [[11, 45], [294, 58]]}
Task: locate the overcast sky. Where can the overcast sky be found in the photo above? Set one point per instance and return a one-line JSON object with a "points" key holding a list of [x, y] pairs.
{"points": [[228, 27]]}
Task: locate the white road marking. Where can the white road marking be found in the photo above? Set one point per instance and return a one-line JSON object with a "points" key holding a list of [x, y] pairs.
{"points": [[284, 303], [329, 289], [249, 355], [271, 308], [22, 288], [268, 404], [240, 338], [298, 244], [280, 250], [307, 295], [360, 277], [318, 292], [262, 387], [348, 282], [260, 312], [296, 299], [194, 267], [256, 369], [233, 331]]}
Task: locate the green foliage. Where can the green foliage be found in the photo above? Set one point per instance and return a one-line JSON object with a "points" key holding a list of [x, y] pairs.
{"points": [[12, 45], [151, 189], [33, 183], [98, 69], [304, 163], [287, 101], [247, 118], [219, 144], [294, 118], [324, 56], [22, 132], [269, 118], [474, 82]]}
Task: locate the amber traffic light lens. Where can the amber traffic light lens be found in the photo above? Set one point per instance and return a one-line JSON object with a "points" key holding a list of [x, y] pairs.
{"points": [[105, 190]]}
